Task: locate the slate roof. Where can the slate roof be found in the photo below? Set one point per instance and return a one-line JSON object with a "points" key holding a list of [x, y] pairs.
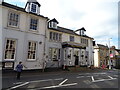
{"points": [[69, 31], [102, 46], [33, 1], [54, 20]]}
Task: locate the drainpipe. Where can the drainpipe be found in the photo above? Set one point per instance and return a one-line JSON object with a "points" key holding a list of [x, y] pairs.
{"points": [[44, 53]]}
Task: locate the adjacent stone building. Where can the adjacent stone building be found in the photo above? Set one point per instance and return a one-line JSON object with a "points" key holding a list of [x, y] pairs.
{"points": [[101, 55]]}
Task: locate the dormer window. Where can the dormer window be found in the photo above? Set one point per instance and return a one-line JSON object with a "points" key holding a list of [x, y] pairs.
{"points": [[33, 8], [82, 32], [53, 23]]}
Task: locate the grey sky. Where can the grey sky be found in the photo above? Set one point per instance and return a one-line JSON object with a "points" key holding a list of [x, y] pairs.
{"points": [[99, 17]]}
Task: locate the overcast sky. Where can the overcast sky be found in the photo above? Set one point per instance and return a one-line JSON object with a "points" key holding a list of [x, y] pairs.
{"points": [[99, 17]]}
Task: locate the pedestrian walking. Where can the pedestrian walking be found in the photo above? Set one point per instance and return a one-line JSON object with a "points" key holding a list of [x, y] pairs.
{"points": [[19, 68]]}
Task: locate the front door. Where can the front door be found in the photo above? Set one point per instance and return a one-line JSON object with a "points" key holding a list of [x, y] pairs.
{"points": [[76, 55]]}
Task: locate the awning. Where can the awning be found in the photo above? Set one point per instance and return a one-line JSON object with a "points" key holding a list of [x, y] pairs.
{"points": [[73, 45]]}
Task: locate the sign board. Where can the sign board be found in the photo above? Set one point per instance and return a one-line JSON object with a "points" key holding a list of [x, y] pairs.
{"points": [[8, 64], [111, 55]]}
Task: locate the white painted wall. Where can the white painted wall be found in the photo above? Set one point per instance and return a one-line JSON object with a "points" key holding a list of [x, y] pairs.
{"points": [[1, 44], [96, 63], [23, 35], [65, 37], [1, 34], [77, 39]]}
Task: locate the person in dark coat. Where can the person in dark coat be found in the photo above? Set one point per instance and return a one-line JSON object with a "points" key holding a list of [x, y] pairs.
{"points": [[19, 68]]}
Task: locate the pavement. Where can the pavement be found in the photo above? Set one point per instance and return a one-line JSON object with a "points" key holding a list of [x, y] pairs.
{"points": [[51, 70]]}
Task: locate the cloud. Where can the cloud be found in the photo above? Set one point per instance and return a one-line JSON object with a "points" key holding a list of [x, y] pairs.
{"points": [[99, 17]]}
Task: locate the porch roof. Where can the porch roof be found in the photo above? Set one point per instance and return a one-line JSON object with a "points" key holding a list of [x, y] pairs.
{"points": [[73, 45]]}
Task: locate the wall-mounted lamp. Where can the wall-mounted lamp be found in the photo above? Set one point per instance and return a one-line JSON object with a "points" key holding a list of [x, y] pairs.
{"points": [[40, 42]]}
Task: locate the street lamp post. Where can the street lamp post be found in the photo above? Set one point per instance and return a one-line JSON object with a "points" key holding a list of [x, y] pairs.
{"points": [[109, 54]]}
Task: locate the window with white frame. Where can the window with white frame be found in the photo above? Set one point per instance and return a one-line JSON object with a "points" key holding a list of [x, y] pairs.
{"points": [[54, 36], [13, 19], [72, 38], [53, 25], [10, 49], [60, 37], [33, 24], [34, 8], [32, 50], [84, 41], [54, 54]]}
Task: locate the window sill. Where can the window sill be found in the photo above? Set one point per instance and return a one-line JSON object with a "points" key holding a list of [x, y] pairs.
{"points": [[55, 41], [33, 31], [13, 28], [9, 60], [31, 60]]}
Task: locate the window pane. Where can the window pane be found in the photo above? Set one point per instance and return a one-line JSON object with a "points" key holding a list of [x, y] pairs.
{"points": [[57, 36], [10, 49], [50, 35], [71, 38], [60, 36], [53, 36], [13, 19], [33, 24], [33, 8]]}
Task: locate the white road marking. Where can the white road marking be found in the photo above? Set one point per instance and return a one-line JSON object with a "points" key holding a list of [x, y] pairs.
{"points": [[110, 77], [99, 73], [103, 80], [32, 82], [80, 77], [56, 86], [40, 80], [92, 78], [88, 76], [63, 81], [45, 80], [18, 86]]}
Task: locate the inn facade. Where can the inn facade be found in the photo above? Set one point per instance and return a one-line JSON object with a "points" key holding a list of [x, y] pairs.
{"points": [[39, 42]]}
